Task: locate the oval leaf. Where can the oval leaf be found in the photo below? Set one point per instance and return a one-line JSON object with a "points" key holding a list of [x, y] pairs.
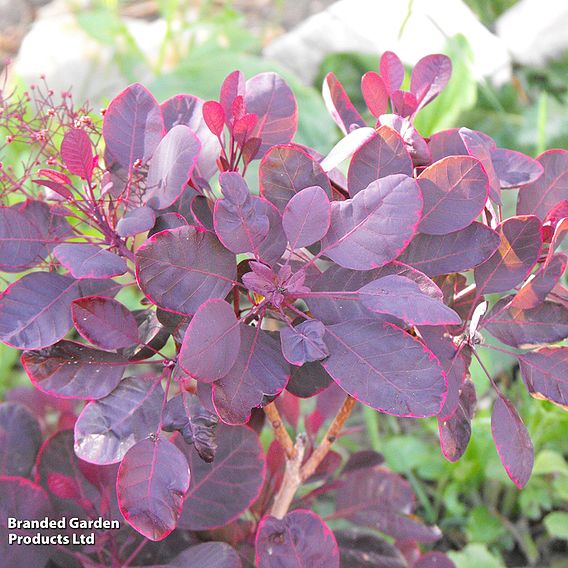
{"points": [[304, 343], [207, 555], [429, 78], [515, 169], [339, 106], [375, 93], [77, 153], [89, 261]]}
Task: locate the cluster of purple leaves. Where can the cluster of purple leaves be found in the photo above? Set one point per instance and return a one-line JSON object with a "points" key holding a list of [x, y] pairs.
{"points": [[371, 284]]}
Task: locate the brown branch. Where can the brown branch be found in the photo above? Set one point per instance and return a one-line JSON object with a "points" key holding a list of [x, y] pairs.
{"points": [[331, 435], [280, 432]]}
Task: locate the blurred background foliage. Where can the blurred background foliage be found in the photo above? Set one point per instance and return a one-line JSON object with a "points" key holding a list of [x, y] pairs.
{"points": [[485, 520]]}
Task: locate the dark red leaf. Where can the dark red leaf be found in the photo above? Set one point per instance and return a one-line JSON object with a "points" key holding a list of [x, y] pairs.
{"points": [[339, 106], [430, 77], [515, 169], [361, 549], [375, 93], [416, 146], [136, 221], [152, 480], [304, 343], [404, 103], [300, 539], [89, 261], [214, 117], [77, 153], [392, 70], [512, 441], [207, 555], [308, 380]]}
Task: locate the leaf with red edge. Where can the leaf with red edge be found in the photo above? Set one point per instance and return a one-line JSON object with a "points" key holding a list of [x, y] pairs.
{"points": [[481, 147], [401, 297], [546, 323], [539, 197], [77, 153], [214, 117], [188, 110], [382, 155], [20, 439], [107, 428], [455, 190], [520, 247], [430, 77], [545, 373], [306, 217], [171, 167], [260, 371], [365, 361], [287, 169], [304, 343], [375, 93], [207, 555], [362, 549], [136, 221], [382, 500], [105, 322], [71, 370], [376, 225], [512, 441], [455, 431], [272, 247], [222, 490], [535, 290], [416, 146], [22, 499], [344, 149], [515, 169], [239, 218], [35, 310], [244, 127], [404, 103], [28, 232], [392, 70], [153, 479], [133, 126], [300, 539], [308, 380], [211, 343], [452, 362], [269, 97], [454, 252], [89, 261], [339, 106], [434, 560], [180, 269]]}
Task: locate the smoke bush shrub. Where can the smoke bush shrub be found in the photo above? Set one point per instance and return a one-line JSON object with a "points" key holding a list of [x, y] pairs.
{"points": [[367, 284]]}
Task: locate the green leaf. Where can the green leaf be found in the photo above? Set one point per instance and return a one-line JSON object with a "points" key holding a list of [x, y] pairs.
{"points": [[549, 461], [484, 527], [475, 556], [557, 524]]}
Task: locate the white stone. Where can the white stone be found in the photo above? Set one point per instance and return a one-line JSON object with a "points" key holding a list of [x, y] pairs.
{"points": [[374, 26]]}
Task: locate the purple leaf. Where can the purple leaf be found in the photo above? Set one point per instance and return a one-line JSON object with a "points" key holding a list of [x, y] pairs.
{"points": [[77, 153], [416, 146], [201, 210], [89, 261], [434, 560], [211, 343], [382, 155], [452, 362], [401, 297], [132, 126], [308, 380], [382, 500], [455, 431], [136, 221], [545, 373], [180, 269], [207, 555], [260, 371], [20, 439], [286, 170], [515, 169], [168, 221], [512, 441], [546, 323], [450, 143], [455, 252], [188, 110], [300, 539], [404, 103], [392, 70], [152, 481], [240, 220], [481, 147], [539, 197], [271, 99], [520, 247], [361, 549], [365, 361], [376, 225], [28, 232], [273, 245], [22, 499], [105, 322], [171, 167], [375, 93], [304, 343], [214, 117], [534, 291], [35, 310], [455, 190], [345, 148], [306, 217], [222, 490], [339, 106], [67, 370], [430, 77], [107, 428]]}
